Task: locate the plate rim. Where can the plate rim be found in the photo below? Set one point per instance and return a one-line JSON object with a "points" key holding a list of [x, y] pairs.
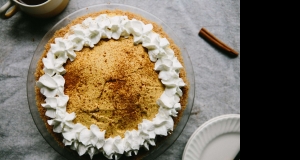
{"points": [[206, 124]]}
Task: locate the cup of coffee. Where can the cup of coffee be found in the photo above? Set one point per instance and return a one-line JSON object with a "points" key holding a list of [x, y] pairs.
{"points": [[35, 8]]}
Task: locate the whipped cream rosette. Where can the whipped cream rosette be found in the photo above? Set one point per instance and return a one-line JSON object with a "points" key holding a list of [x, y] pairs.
{"points": [[92, 140]]}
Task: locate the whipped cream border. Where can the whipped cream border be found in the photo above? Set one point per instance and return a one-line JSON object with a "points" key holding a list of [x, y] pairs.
{"points": [[87, 34]]}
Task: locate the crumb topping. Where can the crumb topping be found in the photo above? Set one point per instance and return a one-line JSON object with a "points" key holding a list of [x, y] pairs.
{"points": [[112, 85]]}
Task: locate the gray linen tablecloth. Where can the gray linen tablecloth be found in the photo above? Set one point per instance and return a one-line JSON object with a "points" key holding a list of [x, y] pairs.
{"points": [[217, 76]]}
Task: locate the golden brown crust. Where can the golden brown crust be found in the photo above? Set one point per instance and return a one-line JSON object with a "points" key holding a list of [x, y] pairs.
{"points": [[113, 86], [114, 81]]}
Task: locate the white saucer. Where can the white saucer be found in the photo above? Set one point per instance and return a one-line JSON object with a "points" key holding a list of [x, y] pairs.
{"points": [[216, 139]]}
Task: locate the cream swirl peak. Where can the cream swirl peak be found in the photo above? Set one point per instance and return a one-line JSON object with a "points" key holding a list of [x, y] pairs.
{"points": [[92, 140]]}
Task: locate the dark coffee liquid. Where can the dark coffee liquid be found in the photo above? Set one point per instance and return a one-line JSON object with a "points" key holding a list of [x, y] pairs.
{"points": [[32, 2]]}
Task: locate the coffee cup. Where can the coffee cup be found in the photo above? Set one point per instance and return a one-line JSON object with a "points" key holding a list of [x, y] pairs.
{"points": [[35, 8]]}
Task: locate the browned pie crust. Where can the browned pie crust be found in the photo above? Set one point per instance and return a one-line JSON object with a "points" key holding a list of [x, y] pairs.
{"points": [[112, 85]]}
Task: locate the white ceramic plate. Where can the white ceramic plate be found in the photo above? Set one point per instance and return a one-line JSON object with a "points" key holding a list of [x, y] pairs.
{"points": [[216, 139]]}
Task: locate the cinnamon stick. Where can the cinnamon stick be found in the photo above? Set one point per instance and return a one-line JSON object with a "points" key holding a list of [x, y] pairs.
{"points": [[213, 39]]}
